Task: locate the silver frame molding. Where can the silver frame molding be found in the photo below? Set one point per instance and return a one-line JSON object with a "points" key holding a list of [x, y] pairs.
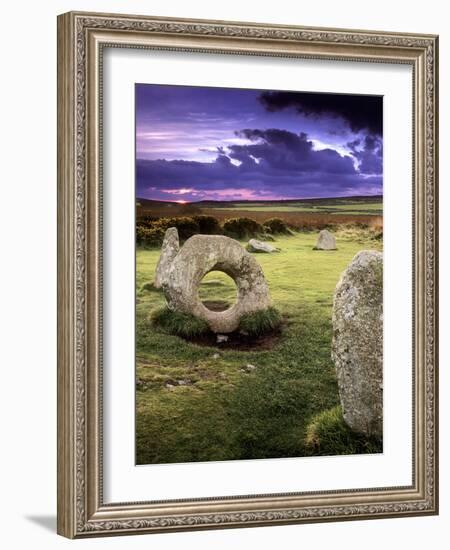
{"points": [[81, 39]]}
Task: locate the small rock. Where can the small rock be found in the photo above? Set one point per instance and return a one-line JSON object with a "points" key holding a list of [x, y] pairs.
{"points": [[185, 382], [216, 356], [248, 368], [259, 246], [222, 338], [179, 382]]}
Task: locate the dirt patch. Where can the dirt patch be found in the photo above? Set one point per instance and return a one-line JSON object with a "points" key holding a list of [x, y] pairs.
{"points": [[239, 341]]}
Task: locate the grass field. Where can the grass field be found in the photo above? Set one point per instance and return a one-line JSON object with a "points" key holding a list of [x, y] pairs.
{"points": [[366, 208], [197, 402]]}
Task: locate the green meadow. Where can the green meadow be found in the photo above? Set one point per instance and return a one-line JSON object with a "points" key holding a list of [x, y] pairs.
{"points": [[279, 398]]}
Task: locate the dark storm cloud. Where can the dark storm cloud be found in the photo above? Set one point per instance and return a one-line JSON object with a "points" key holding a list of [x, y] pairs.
{"points": [[286, 151], [361, 112], [368, 154], [275, 161], [293, 144]]}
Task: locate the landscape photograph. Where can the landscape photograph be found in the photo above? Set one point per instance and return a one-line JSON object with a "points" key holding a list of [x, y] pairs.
{"points": [[259, 274]]}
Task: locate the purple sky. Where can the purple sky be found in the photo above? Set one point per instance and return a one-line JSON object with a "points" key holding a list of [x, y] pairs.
{"points": [[196, 143]]}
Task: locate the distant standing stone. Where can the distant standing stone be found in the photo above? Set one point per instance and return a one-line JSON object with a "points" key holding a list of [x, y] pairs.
{"points": [[325, 241], [260, 246], [357, 347], [170, 248]]}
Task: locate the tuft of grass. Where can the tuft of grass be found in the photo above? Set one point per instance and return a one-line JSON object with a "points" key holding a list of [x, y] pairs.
{"points": [[328, 434], [267, 237], [179, 324], [149, 287], [260, 322]]}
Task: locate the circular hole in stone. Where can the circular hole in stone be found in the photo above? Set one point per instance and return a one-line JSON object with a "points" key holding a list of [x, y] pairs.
{"points": [[217, 291]]}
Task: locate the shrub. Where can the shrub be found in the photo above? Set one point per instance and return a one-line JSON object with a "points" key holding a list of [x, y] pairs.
{"points": [[242, 228], [276, 226], [149, 237], [355, 232], [147, 221], [150, 231], [376, 233], [186, 226], [261, 322], [328, 434], [208, 225], [179, 324]]}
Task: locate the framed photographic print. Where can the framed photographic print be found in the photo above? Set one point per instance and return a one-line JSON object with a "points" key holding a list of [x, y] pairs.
{"points": [[247, 277]]}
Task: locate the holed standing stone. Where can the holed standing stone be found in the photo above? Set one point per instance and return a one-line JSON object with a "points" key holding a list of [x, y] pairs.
{"points": [[357, 347], [204, 253]]}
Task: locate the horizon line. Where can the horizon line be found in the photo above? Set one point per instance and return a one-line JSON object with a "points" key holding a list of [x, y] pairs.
{"points": [[378, 195]]}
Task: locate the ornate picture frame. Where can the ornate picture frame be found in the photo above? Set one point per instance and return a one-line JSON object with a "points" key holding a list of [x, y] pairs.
{"points": [[82, 38]]}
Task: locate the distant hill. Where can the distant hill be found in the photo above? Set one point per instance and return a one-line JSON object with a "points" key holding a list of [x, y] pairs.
{"points": [[367, 205], [151, 203], [148, 207]]}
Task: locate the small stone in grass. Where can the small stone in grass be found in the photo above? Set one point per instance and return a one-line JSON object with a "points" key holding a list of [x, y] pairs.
{"points": [[184, 382], [248, 368]]}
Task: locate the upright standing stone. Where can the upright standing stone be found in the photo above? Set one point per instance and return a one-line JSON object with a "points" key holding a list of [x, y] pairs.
{"points": [[357, 347], [325, 241], [169, 249]]}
